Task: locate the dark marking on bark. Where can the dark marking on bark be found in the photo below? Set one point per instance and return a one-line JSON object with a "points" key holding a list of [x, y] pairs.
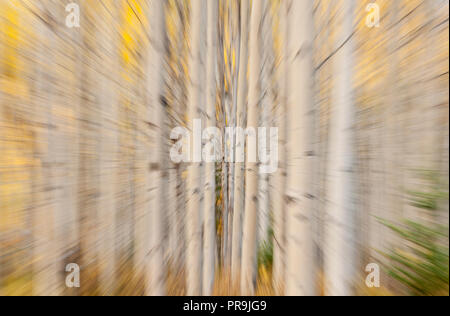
{"points": [[163, 101], [154, 166], [289, 199], [301, 217], [150, 124]]}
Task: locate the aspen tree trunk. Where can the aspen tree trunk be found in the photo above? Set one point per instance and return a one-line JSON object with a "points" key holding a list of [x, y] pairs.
{"points": [[263, 180], [143, 200], [325, 82], [225, 199], [64, 154], [435, 103], [263, 210], [89, 166], [180, 220], [228, 121], [172, 214], [439, 104], [340, 213], [182, 170], [210, 167], [220, 125], [109, 147], [248, 269], [70, 144], [267, 101], [156, 118], [300, 270], [193, 215], [393, 192], [238, 205], [280, 175], [431, 108], [236, 48], [180, 110], [47, 263]]}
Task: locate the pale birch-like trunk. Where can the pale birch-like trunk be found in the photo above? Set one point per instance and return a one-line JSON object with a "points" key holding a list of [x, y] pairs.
{"points": [[225, 173], [436, 104], [142, 200], [181, 221], [70, 146], [225, 199], [248, 269], [156, 118], [238, 205], [210, 167], [236, 49], [392, 171], [278, 200], [193, 215], [176, 181], [47, 264], [65, 151], [300, 269], [267, 100], [172, 182], [340, 212], [109, 148], [89, 166]]}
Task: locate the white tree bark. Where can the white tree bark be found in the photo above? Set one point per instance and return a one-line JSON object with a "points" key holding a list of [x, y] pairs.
{"points": [[300, 268], [156, 270], [70, 145], [45, 254], [238, 205], [225, 200], [391, 135], [193, 216], [210, 167], [172, 214], [340, 212], [267, 100], [278, 200], [109, 149], [248, 269]]}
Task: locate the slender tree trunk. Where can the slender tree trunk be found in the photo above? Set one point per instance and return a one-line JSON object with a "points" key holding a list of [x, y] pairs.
{"points": [[70, 146], [156, 118], [193, 215], [181, 221], [172, 214], [340, 213], [109, 148], [248, 269], [267, 100], [235, 65], [225, 199], [210, 167], [393, 192], [45, 261], [90, 162], [300, 268], [280, 176], [238, 206]]}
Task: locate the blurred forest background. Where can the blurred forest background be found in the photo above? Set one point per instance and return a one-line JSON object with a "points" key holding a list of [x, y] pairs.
{"points": [[86, 176]]}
